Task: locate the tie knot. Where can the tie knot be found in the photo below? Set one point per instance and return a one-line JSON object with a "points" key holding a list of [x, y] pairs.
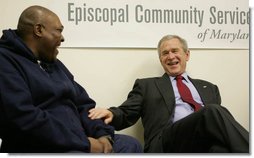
{"points": [[179, 77]]}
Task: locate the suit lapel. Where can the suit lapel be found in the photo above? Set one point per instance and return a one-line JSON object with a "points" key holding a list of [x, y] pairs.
{"points": [[165, 87], [202, 89]]}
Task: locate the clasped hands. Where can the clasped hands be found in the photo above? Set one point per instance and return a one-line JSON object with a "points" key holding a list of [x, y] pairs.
{"points": [[100, 145]]}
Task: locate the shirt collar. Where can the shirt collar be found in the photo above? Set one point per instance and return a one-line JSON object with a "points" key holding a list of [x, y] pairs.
{"points": [[185, 76]]}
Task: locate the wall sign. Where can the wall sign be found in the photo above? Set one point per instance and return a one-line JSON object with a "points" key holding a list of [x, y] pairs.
{"points": [[141, 23]]}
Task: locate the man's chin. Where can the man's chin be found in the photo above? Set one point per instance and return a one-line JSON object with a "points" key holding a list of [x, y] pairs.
{"points": [[174, 73], [50, 61]]}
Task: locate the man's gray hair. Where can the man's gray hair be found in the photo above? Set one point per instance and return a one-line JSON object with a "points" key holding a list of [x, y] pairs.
{"points": [[169, 37]]}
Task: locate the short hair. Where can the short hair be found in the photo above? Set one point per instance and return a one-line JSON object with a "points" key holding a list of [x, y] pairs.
{"points": [[169, 37]]}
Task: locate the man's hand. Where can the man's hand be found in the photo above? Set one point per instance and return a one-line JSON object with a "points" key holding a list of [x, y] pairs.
{"points": [[100, 145], [101, 113], [106, 144], [95, 145]]}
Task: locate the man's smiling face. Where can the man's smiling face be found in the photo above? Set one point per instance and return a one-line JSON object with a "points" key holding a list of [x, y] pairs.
{"points": [[172, 57]]}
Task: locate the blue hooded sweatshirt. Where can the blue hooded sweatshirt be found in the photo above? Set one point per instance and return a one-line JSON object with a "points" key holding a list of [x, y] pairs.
{"points": [[42, 110]]}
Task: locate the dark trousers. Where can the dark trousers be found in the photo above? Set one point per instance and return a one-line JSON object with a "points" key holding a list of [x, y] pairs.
{"points": [[211, 129], [126, 144]]}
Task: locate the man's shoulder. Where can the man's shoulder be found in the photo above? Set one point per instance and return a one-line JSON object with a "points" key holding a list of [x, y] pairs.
{"points": [[201, 81], [148, 79]]}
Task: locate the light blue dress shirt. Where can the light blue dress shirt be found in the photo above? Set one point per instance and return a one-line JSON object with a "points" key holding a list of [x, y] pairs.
{"points": [[182, 108]]}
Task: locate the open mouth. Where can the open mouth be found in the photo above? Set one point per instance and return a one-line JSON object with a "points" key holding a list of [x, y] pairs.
{"points": [[173, 63]]}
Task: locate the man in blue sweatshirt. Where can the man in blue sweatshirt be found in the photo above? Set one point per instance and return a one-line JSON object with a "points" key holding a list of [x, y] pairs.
{"points": [[42, 108]]}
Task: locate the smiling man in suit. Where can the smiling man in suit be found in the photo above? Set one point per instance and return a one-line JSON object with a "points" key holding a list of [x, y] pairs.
{"points": [[179, 114]]}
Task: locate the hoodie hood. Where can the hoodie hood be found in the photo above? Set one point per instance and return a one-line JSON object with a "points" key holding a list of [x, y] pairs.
{"points": [[11, 41]]}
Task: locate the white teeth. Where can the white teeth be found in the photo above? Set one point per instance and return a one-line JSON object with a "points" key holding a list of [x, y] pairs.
{"points": [[173, 63]]}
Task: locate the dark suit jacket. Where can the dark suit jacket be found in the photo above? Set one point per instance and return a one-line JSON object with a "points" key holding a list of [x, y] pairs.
{"points": [[153, 100]]}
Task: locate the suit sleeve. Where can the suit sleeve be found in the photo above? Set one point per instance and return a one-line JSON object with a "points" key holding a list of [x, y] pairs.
{"points": [[129, 111]]}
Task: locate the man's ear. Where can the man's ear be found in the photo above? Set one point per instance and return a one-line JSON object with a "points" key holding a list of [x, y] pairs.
{"points": [[188, 55], [38, 28]]}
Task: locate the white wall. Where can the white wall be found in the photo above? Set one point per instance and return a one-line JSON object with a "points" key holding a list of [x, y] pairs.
{"points": [[108, 75]]}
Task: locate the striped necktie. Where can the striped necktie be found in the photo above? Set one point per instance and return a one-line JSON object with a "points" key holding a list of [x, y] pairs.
{"points": [[186, 93]]}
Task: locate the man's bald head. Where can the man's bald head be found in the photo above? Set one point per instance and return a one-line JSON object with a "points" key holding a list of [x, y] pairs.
{"points": [[30, 17], [41, 30]]}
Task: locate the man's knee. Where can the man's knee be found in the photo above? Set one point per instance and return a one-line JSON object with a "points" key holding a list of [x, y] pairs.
{"points": [[216, 108], [212, 107], [126, 144]]}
